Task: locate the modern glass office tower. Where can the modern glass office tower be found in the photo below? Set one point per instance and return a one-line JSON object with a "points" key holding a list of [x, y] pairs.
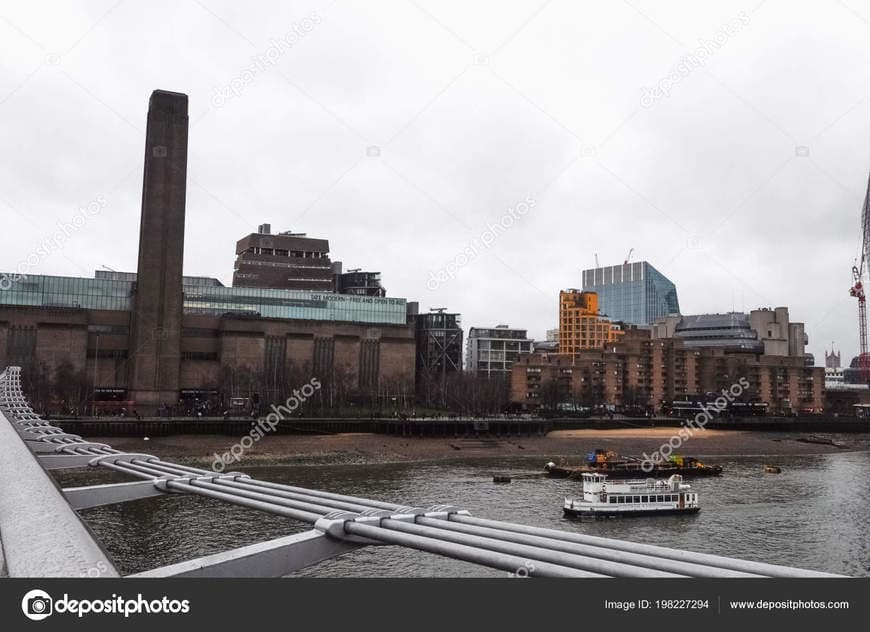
{"points": [[634, 293]]}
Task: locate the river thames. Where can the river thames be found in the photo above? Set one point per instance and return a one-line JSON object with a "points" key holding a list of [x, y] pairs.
{"points": [[815, 514]]}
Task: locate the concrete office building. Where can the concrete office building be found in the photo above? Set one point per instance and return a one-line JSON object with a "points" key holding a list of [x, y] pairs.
{"points": [[632, 293], [732, 331], [763, 331], [492, 351]]}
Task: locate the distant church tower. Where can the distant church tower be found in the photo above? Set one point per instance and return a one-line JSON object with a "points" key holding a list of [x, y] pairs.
{"points": [[832, 359]]}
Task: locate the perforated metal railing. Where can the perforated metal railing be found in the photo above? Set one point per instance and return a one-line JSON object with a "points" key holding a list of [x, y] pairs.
{"points": [[42, 535]]}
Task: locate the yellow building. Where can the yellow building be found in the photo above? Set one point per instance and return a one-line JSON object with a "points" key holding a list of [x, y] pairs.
{"points": [[580, 326]]}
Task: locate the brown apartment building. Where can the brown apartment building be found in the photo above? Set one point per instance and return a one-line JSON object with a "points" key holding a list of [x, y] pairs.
{"points": [[640, 371]]}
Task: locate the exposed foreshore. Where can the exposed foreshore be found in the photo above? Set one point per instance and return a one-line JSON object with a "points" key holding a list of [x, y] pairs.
{"points": [[438, 427], [570, 445]]}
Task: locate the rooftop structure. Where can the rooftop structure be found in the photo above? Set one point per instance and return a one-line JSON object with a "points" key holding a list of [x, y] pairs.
{"points": [[289, 261], [357, 282]]}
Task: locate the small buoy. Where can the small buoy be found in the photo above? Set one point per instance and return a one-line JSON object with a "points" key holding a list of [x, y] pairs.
{"points": [[772, 469], [501, 478]]}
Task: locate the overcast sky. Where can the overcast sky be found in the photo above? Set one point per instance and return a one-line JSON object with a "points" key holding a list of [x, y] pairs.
{"points": [[728, 144]]}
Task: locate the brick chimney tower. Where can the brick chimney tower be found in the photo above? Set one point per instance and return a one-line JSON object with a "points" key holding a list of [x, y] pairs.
{"points": [[155, 328]]}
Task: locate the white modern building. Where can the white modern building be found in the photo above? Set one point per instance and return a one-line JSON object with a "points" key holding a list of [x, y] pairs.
{"points": [[835, 380], [493, 351]]}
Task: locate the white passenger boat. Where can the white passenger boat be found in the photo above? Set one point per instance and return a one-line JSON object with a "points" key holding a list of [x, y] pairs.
{"points": [[632, 498]]}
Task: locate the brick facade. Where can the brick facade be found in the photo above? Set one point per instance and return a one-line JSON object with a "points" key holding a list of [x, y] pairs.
{"points": [[637, 368], [209, 344]]}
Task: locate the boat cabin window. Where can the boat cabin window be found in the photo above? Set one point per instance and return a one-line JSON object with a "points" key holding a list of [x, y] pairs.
{"points": [[637, 499], [645, 499], [612, 499]]}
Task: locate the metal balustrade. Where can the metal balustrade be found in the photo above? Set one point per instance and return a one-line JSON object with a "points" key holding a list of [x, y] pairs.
{"points": [[41, 534]]}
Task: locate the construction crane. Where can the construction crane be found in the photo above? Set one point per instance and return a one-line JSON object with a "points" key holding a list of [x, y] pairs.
{"points": [[628, 257], [857, 289]]}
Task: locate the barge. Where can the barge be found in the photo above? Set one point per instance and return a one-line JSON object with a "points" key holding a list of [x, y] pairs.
{"points": [[618, 466]]}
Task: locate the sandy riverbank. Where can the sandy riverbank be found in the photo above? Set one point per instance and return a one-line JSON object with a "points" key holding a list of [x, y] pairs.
{"points": [[568, 444]]}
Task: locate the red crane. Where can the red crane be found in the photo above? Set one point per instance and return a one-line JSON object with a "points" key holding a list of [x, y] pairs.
{"points": [[857, 290]]}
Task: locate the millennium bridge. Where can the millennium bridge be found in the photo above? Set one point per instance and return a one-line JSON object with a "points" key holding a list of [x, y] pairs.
{"points": [[42, 535]]}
